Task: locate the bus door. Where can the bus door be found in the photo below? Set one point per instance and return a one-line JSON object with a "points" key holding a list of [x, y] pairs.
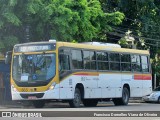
{"points": [[136, 85], [147, 77], [90, 75], [65, 86]]}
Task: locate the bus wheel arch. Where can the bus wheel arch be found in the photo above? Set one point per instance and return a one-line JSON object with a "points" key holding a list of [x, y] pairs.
{"points": [[128, 87], [125, 96], [78, 96], [81, 88]]}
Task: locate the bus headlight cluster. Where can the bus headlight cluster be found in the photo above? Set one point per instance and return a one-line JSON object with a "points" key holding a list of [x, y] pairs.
{"points": [[52, 86], [13, 88]]}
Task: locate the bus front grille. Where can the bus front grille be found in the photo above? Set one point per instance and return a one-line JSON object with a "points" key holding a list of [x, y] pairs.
{"points": [[37, 95]]}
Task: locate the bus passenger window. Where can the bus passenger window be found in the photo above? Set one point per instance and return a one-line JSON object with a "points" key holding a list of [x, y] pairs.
{"points": [[114, 57], [64, 62], [102, 61], [136, 66], [114, 61], [77, 62], [114, 66], [89, 60], [125, 62], [144, 61]]}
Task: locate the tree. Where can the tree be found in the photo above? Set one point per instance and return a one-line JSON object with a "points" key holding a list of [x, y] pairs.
{"points": [[141, 17], [8, 23], [65, 20]]}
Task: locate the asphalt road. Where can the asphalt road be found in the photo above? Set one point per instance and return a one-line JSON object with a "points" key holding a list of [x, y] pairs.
{"points": [[61, 109]]}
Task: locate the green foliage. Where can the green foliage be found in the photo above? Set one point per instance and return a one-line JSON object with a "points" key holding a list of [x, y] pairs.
{"points": [[115, 18], [12, 18], [12, 2], [141, 17], [63, 20], [123, 43], [8, 43], [1, 46]]}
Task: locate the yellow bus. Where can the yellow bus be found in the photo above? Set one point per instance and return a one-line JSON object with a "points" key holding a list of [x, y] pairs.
{"points": [[78, 73]]}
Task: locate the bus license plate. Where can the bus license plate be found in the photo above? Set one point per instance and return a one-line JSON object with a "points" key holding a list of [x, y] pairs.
{"points": [[32, 97]]}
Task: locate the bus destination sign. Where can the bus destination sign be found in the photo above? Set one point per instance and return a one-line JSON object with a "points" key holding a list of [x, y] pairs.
{"points": [[34, 48]]}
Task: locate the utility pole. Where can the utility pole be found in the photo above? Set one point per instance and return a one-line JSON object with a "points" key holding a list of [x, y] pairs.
{"points": [[27, 28], [27, 33], [155, 76]]}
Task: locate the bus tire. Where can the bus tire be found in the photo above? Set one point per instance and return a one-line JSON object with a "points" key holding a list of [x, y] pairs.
{"points": [[90, 102], [125, 98], [76, 101], [38, 104]]}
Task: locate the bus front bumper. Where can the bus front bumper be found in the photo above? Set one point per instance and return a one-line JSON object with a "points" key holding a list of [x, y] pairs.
{"points": [[49, 94]]}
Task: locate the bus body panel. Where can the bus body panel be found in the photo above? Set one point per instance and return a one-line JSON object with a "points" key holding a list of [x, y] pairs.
{"points": [[110, 85], [102, 86]]}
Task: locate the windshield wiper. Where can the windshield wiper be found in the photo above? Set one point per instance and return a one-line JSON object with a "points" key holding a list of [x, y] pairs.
{"points": [[41, 57]]}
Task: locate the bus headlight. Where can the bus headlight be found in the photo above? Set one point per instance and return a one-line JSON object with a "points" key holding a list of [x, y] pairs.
{"points": [[13, 88], [52, 86]]}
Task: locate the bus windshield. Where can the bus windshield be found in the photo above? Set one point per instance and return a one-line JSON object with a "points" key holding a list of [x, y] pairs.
{"points": [[33, 68]]}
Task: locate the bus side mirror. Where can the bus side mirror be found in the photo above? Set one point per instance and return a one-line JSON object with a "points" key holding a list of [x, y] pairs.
{"points": [[8, 57]]}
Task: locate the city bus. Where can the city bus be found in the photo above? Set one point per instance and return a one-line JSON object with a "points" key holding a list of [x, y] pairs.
{"points": [[78, 73]]}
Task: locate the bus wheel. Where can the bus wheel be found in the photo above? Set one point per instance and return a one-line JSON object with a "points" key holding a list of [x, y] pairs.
{"points": [[38, 104], [76, 101], [125, 98], [90, 103]]}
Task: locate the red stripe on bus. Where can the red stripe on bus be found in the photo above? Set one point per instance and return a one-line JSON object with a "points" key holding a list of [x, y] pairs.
{"points": [[142, 77], [87, 74], [138, 77], [81, 74], [147, 77]]}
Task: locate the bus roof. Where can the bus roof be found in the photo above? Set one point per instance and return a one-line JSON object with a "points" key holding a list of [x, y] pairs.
{"points": [[97, 47], [90, 46], [102, 44]]}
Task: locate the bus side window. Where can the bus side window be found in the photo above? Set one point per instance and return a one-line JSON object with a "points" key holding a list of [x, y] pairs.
{"points": [[89, 58], [77, 61], [64, 63], [102, 61], [136, 64], [145, 65], [114, 61], [125, 62]]}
